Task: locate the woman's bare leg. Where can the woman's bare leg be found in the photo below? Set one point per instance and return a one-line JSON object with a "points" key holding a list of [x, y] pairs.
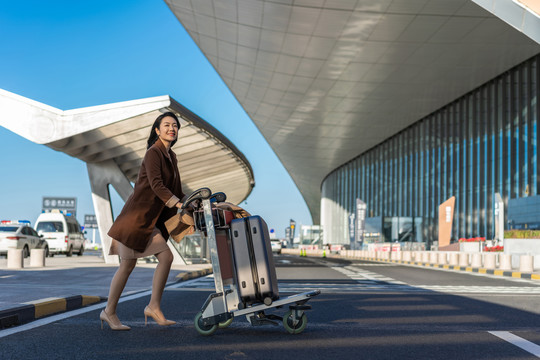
{"points": [[118, 283], [160, 279]]}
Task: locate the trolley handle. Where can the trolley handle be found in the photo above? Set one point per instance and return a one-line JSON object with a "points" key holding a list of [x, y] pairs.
{"points": [[197, 195]]}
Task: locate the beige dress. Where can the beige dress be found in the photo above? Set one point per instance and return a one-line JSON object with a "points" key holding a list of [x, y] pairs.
{"points": [[156, 245]]}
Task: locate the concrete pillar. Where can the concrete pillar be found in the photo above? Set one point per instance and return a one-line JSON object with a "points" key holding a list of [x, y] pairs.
{"points": [[15, 259], [476, 260], [425, 256], [463, 259], [433, 257], [526, 263], [37, 257], [441, 258], [101, 175], [490, 260], [505, 261], [453, 258]]}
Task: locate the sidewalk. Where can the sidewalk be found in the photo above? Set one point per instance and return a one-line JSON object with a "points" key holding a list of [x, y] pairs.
{"points": [[67, 283]]}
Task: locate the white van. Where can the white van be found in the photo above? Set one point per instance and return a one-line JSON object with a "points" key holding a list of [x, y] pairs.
{"points": [[62, 233]]}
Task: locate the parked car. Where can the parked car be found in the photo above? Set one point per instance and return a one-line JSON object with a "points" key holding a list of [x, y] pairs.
{"points": [[62, 233], [20, 235], [276, 246]]}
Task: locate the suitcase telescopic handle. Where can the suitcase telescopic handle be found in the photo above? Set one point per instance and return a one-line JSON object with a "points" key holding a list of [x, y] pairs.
{"points": [[197, 195]]}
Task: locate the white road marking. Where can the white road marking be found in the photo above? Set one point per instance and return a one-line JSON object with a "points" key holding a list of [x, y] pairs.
{"points": [[517, 341]]}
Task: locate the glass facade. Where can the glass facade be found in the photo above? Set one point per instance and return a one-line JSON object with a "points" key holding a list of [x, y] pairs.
{"points": [[482, 143]]}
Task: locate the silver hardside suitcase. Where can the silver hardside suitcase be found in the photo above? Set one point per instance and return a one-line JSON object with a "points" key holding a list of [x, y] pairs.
{"points": [[254, 262]]}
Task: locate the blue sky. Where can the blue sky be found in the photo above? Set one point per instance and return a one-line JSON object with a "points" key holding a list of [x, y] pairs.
{"points": [[70, 54]]}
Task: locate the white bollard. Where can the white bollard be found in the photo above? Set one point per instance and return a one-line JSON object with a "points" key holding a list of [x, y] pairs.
{"points": [[526, 263], [476, 260], [463, 259], [433, 257], [490, 260], [442, 258], [406, 256], [37, 257], [454, 258], [425, 256], [15, 259], [505, 261]]}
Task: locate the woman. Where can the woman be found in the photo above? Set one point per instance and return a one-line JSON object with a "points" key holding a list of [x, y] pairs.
{"points": [[139, 230]]}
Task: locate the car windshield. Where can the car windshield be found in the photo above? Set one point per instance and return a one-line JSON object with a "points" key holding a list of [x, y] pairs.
{"points": [[50, 226], [8, 229]]}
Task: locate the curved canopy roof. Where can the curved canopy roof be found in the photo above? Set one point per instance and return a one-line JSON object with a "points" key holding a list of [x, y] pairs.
{"points": [[326, 80], [119, 132]]}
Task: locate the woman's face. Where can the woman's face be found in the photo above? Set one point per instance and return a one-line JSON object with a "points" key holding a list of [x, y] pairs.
{"points": [[168, 129]]}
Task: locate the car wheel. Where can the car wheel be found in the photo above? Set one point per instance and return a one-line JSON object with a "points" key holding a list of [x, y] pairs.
{"points": [[81, 251], [70, 252], [26, 251]]}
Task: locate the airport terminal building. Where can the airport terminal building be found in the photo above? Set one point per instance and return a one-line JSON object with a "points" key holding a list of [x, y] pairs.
{"points": [[399, 104], [483, 143]]}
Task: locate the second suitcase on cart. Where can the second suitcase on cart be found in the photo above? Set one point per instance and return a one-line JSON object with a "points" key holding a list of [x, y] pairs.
{"points": [[255, 268]]}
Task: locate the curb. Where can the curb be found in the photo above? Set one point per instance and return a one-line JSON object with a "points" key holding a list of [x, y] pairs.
{"points": [[34, 310], [513, 274], [194, 274]]}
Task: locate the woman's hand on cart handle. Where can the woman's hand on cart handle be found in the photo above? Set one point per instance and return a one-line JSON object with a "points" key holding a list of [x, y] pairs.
{"points": [[191, 207]]}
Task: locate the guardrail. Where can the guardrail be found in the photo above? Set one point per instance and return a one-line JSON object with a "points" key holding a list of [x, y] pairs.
{"points": [[485, 260]]}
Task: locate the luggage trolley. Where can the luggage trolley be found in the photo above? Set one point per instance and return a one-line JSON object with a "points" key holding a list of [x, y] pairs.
{"points": [[224, 305]]}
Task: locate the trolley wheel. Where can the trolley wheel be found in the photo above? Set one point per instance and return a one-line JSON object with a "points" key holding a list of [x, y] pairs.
{"points": [[292, 326], [202, 329], [223, 325]]}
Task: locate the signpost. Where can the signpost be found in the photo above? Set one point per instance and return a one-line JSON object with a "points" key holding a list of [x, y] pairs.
{"points": [[499, 218], [64, 204], [90, 222], [292, 226], [361, 208]]}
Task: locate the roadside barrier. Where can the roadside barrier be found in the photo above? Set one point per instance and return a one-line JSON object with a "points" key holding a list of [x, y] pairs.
{"points": [[15, 259], [482, 262], [37, 257]]}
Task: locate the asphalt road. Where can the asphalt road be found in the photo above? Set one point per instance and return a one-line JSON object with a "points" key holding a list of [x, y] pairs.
{"points": [[366, 311]]}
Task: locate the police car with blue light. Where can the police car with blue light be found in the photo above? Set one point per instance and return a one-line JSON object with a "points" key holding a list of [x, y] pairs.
{"points": [[18, 234]]}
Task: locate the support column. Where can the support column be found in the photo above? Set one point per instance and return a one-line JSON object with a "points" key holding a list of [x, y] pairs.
{"points": [[101, 175]]}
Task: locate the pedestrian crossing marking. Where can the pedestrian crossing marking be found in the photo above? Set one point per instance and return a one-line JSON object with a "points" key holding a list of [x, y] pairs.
{"points": [[363, 280]]}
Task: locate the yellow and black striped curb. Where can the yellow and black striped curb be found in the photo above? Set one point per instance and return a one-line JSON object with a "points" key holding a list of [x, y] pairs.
{"points": [[34, 310], [193, 274], [514, 274]]}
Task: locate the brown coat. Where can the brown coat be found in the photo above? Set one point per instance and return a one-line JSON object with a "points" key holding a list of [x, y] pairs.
{"points": [[157, 190]]}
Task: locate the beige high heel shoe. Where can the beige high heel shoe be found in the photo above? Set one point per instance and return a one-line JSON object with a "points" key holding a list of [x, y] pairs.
{"points": [[163, 322], [114, 325]]}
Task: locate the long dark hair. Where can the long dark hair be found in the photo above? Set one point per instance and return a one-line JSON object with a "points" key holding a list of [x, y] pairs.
{"points": [[154, 136]]}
